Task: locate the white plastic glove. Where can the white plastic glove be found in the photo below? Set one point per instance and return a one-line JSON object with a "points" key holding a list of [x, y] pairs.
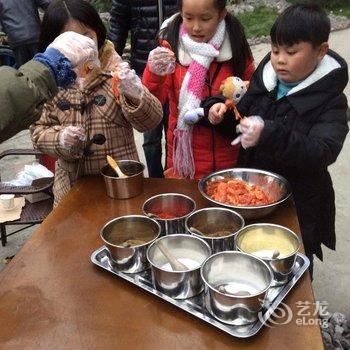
{"points": [[114, 60], [192, 116], [129, 82], [77, 48], [161, 61], [71, 136], [251, 129]]}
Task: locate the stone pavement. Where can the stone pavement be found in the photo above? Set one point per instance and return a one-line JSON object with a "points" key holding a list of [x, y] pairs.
{"points": [[331, 281]]}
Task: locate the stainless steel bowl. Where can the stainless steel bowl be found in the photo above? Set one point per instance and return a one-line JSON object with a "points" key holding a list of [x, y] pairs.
{"points": [[129, 259], [236, 285], [275, 185], [189, 250], [173, 203], [263, 240], [211, 221], [123, 188]]}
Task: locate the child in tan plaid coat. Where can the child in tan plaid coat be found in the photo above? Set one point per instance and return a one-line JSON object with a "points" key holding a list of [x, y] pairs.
{"points": [[89, 108]]}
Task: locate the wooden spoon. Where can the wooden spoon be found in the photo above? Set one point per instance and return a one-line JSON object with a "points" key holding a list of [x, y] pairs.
{"points": [[114, 165], [275, 254], [198, 232], [240, 293], [194, 230], [175, 264], [153, 216]]}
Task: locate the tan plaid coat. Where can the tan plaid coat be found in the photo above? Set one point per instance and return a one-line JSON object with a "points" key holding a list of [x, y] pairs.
{"points": [[93, 107]]}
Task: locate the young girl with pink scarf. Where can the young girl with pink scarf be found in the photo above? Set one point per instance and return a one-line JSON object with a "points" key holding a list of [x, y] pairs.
{"points": [[204, 45]]}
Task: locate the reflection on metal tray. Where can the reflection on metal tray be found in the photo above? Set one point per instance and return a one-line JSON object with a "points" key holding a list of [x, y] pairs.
{"points": [[195, 305]]}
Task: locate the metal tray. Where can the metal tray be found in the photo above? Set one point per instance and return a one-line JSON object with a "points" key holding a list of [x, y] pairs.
{"points": [[195, 305]]}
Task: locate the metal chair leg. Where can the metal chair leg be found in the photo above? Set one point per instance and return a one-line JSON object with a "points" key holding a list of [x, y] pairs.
{"points": [[3, 235]]}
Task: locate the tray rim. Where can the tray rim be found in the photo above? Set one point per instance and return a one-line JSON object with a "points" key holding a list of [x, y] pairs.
{"points": [[187, 305]]}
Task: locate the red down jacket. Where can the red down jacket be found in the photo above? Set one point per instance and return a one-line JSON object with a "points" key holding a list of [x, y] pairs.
{"points": [[211, 151]]}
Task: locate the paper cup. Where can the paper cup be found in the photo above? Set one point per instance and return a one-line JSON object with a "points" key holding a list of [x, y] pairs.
{"points": [[7, 201]]}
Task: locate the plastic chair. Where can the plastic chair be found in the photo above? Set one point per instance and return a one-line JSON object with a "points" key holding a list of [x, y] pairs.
{"points": [[32, 213]]}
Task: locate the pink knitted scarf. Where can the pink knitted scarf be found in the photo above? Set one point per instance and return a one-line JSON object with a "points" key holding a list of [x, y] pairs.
{"points": [[202, 54]]}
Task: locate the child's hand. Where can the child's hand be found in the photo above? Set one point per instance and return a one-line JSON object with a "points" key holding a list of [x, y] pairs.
{"points": [[71, 136], [161, 61], [192, 116], [251, 129], [129, 82], [77, 48], [216, 113]]}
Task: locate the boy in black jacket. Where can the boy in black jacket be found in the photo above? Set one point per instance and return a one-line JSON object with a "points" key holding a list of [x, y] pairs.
{"points": [[296, 123]]}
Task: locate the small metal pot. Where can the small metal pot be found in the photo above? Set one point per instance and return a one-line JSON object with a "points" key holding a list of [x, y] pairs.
{"points": [[262, 240], [212, 220], [114, 233], [189, 250], [128, 187], [174, 203], [236, 285]]}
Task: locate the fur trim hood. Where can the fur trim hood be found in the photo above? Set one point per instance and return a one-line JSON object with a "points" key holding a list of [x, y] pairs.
{"points": [[327, 80], [330, 62]]}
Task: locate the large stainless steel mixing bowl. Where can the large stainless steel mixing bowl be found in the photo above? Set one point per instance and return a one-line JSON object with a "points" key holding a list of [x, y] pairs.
{"points": [[277, 187]]}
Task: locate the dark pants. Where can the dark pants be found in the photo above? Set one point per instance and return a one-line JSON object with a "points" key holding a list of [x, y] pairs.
{"points": [[152, 145], [24, 53], [6, 56], [311, 267]]}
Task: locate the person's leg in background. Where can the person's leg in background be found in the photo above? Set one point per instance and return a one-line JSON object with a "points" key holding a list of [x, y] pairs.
{"points": [[24, 53], [7, 58], [311, 267], [152, 146]]}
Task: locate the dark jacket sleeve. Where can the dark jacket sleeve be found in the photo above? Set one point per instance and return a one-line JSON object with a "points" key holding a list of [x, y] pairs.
{"points": [[227, 127], [318, 149], [22, 96], [246, 105], [119, 24], [42, 3]]}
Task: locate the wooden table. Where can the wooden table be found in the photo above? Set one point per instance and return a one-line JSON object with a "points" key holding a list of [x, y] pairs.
{"points": [[53, 297]]}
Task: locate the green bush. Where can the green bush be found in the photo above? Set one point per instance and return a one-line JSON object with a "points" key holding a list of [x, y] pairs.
{"points": [[258, 22], [101, 5], [326, 4], [231, 2], [338, 7]]}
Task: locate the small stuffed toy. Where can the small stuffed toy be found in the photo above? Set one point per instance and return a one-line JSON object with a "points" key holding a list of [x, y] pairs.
{"points": [[233, 88]]}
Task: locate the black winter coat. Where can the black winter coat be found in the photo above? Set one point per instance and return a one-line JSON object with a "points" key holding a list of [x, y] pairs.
{"points": [[143, 18], [304, 133]]}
